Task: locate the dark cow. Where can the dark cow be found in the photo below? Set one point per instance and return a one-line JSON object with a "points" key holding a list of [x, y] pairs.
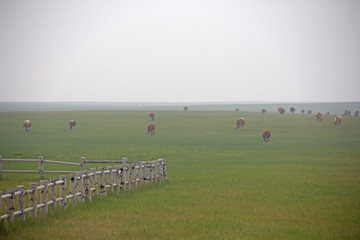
{"points": [[263, 110], [240, 123], [151, 116], [266, 135], [281, 110], [292, 110], [151, 129], [347, 112], [186, 108], [302, 111], [72, 125], [337, 121], [309, 111], [27, 126], [318, 116]]}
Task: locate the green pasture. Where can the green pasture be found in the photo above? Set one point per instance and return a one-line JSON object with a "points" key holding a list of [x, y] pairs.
{"points": [[223, 183]]}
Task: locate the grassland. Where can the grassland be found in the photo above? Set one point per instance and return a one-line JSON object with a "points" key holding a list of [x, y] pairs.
{"points": [[223, 183]]}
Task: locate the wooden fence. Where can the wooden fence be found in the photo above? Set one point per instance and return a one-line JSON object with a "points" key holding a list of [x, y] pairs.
{"points": [[82, 185]]}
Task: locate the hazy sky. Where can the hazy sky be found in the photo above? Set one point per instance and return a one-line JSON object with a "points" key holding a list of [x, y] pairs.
{"points": [[186, 50]]}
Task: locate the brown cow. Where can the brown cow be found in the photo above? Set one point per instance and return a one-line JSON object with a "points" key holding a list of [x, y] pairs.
{"points": [[263, 110], [302, 111], [72, 125], [292, 110], [318, 116], [309, 111], [356, 112], [240, 122], [266, 135], [347, 112], [151, 116], [186, 108], [151, 129], [27, 126], [337, 121]]}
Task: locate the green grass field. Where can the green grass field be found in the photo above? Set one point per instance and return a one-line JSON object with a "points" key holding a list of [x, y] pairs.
{"points": [[223, 183]]}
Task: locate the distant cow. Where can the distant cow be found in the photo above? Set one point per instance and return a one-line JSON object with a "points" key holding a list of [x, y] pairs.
{"points": [[318, 116], [337, 121], [347, 112], [186, 108], [151, 116], [309, 111], [281, 110], [292, 110], [266, 135], [27, 126], [236, 110], [356, 113], [302, 111], [72, 125], [263, 111], [151, 129], [327, 113], [240, 123]]}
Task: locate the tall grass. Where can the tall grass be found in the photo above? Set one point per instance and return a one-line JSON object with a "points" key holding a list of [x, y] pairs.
{"points": [[223, 183]]}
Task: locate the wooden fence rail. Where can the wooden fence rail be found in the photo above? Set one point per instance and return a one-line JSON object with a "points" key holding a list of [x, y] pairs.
{"points": [[82, 185]]}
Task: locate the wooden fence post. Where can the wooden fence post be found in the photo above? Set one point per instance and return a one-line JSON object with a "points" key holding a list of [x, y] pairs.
{"points": [[44, 196], [86, 184], [63, 191], [102, 181], [94, 182], [80, 184], [110, 178], [0, 202], [83, 163], [165, 170], [33, 200], [10, 205], [21, 202], [117, 178], [41, 167], [73, 188], [53, 191]]}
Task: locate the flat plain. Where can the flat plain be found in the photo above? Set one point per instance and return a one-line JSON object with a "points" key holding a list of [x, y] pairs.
{"points": [[223, 183]]}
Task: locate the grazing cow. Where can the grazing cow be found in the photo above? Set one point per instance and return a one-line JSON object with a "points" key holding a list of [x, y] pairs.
{"points": [[151, 116], [186, 108], [72, 125], [347, 112], [309, 111], [356, 113], [281, 110], [318, 116], [236, 110], [327, 113], [337, 121], [266, 135], [151, 129], [302, 111], [263, 111], [292, 110], [27, 126], [240, 123]]}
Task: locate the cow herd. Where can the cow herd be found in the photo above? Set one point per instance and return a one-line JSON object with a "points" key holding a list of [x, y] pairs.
{"points": [[240, 122]]}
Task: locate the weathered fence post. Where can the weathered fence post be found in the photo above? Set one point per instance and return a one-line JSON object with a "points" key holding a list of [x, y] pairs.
{"points": [[33, 200], [110, 179], [73, 188], [0, 202], [63, 191], [86, 184], [137, 173], [102, 181], [52, 191], [94, 182], [44, 196], [80, 184], [165, 170], [10, 205], [83, 163], [41, 167], [117, 178], [21, 202], [126, 174]]}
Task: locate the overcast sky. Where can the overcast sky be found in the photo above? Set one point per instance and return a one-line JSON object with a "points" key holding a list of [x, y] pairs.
{"points": [[186, 50]]}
